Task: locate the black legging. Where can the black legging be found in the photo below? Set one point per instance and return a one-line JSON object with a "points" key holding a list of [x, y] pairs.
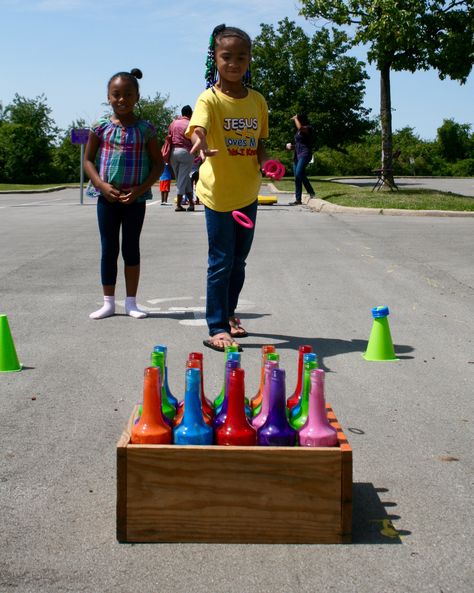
{"points": [[111, 216]]}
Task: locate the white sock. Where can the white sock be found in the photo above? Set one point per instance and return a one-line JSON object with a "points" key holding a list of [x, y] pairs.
{"points": [[132, 309], [107, 310]]}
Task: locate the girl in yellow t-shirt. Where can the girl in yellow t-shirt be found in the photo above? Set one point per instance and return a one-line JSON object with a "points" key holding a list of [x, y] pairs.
{"points": [[226, 128]]}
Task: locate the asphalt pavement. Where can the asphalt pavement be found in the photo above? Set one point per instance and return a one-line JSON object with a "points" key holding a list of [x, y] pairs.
{"points": [[312, 278]]}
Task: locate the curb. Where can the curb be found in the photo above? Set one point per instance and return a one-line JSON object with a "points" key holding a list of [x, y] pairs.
{"points": [[37, 191], [323, 207], [326, 207]]}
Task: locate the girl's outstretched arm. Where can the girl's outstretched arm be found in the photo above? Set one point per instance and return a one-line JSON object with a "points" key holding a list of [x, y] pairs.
{"points": [[199, 140], [156, 158], [109, 192]]}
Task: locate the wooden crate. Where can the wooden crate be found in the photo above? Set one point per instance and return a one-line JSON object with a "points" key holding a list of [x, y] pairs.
{"points": [[216, 494]]}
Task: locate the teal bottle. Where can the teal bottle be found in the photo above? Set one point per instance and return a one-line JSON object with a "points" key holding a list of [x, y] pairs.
{"points": [[171, 398], [158, 360], [193, 430], [299, 414]]}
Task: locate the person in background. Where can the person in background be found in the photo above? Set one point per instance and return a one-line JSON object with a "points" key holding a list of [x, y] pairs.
{"points": [[181, 158], [303, 153], [165, 185], [122, 160]]}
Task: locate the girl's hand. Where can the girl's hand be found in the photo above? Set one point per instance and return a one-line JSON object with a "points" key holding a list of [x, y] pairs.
{"points": [[110, 193], [200, 144], [130, 195]]}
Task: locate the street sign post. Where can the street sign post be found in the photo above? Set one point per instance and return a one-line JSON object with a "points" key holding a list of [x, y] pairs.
{"points": [[80, 136]]}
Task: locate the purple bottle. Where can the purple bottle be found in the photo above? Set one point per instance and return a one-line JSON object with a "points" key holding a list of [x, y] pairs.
{"points": [[221, 415], [276, 432]]}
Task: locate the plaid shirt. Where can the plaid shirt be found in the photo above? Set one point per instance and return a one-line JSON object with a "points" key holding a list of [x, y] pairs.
{"points": [[122, 158]]}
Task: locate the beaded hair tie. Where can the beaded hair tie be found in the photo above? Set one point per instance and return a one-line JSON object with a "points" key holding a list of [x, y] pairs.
{"points": [[211, 74]]}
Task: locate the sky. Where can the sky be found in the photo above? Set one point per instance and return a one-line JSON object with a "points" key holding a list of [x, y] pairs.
{"points": [[68, 50]]}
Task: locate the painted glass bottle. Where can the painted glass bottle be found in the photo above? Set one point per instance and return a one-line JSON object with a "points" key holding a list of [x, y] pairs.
{"points": [[310, 362], [158, 360], [259, 419], [228, 350], [318, 431], [293, 399], [193, 430], [276, 432], [171, 398], [151, 428], [236, 429], [257, 399]]}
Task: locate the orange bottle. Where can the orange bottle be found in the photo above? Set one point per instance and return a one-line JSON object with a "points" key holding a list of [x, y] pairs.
{"points": [[151, 429], [257, 398]]}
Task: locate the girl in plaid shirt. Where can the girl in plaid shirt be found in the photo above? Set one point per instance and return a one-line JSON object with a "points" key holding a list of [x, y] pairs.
{"points": [[123, 160]]}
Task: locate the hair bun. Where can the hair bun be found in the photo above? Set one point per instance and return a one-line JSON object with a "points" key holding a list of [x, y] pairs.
{"points": [[136, 72]]}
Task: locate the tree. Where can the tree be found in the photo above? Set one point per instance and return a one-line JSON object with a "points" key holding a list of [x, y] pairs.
{"points": [[67, 156], [454, 141], [298, 74], [155, 111], [27, 133], [405, 35]]}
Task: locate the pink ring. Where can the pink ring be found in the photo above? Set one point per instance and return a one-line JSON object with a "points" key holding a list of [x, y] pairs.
{"points": [[274, 169], [242, 219]]}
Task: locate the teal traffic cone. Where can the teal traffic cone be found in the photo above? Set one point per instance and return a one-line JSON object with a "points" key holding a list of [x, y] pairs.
{"points": [[8, 357], [380, 346]]}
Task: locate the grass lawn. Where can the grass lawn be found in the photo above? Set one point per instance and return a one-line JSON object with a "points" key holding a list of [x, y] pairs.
{"points": [[408, 199], [19, 186]]}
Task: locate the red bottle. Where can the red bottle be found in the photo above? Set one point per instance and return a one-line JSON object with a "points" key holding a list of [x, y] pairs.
{"points": [[236, 429], [151, 429], [193, 364], [293, 399], [207, 406]]}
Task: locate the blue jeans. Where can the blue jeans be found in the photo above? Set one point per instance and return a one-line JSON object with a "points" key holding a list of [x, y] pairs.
{"points": [[299, 169], [229, 245], [112, 216]]}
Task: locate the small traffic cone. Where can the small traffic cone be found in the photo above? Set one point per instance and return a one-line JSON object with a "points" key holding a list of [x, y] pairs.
{"points": [[8, 357], [380, 346]]}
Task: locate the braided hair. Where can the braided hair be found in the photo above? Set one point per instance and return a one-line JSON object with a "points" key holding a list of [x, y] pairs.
{"points": [[219, 32]]}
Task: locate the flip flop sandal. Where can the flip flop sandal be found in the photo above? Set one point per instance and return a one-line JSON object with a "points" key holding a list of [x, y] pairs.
{"points": [[210, 344], [238, 330]]}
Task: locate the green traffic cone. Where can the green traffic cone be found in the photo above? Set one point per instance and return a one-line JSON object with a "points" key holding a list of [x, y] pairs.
{"points": [[8, 358], [380, 346]]}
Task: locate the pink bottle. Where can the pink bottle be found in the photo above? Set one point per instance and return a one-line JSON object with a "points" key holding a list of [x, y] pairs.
{"points": [[317, 432], [259, 419]]}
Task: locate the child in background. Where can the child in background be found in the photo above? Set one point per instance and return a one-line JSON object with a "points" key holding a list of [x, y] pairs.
{"points": [[226, 128], [165, 185], [123, 161]]}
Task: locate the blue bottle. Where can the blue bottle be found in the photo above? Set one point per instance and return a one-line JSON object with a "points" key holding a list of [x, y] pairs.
{"points": [[192, 429]]}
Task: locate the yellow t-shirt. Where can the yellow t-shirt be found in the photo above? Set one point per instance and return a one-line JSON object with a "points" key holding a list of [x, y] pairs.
{"points": [[231, 179]]}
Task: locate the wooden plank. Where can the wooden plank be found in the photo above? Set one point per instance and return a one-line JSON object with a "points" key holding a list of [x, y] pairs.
{"points": [[238, 494]]}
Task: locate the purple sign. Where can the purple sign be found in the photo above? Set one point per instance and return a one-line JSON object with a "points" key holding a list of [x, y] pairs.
{"points": [[79, 135]]}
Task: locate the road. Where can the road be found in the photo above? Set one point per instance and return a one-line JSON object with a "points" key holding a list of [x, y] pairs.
{"points": [[311, 279], [457, 185]]}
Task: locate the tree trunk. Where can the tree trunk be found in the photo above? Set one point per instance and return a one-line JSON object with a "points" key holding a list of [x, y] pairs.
{"points": [[386, 124]]}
